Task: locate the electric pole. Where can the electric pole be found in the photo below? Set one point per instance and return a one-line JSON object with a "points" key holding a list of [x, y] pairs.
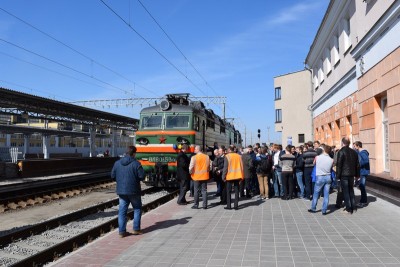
{"points": [[245, 137]]}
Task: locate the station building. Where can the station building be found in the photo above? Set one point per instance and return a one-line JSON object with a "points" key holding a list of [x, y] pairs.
{"points": [[355, 64], [292, 107], [61, 144], [37, 127]]}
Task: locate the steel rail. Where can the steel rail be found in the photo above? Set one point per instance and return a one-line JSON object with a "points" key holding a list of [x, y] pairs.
{"points": [[62, 220], [12, 193], [73, 243]]}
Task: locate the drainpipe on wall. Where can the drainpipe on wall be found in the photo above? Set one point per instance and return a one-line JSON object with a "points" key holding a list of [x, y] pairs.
{"points": [[312, 98]]}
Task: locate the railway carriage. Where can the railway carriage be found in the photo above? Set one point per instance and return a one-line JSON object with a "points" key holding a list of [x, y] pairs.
{"points": [[164, 128]]}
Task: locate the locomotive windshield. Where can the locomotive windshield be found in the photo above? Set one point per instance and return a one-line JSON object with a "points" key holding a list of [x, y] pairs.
{"points": [[177, 121], [151, 122]]}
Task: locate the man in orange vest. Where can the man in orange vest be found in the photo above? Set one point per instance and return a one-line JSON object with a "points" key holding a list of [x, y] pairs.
{"points": [[199, 170], [232, 174]]}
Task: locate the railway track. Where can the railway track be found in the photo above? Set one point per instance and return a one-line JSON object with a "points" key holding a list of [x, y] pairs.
{"points": [[16, 196], [44, 242]]}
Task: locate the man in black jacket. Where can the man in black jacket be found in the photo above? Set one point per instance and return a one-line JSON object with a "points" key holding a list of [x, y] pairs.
{"points": [[247, 172], [217, 176], [219, 167], [347, 168], [182, 174]]}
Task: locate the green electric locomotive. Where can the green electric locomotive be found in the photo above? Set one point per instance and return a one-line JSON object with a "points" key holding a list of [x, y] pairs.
{"points": [[165, 127]]}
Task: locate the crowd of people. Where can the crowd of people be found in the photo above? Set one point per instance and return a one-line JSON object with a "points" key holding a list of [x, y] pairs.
{"points": [[309, 171]]}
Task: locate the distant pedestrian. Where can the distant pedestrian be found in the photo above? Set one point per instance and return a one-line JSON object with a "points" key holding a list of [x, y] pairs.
{"points": [[253, 180], [182, 174], [308, 159], [323, 168], [233, 174], [363, 158], [277, 178], [216, 174], [287, 163], [318, 148], [299, 171], [199, 169], [264, 167], [219, 170], [347, 168], [128, 172], [245, 184]]}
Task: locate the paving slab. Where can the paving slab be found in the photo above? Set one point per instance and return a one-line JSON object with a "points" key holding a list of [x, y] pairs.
{"points": [[270, 232]]}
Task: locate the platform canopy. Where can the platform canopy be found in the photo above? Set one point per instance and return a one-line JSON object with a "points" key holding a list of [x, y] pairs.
{"points": [[29, 130], [26, 105]]}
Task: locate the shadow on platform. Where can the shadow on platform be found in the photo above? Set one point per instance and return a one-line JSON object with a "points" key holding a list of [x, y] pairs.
{"points": [[166, 224], [256, 202]]}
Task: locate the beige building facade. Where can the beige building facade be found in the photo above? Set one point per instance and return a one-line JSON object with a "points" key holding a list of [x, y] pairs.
{"points": [[355, 60], [292, 107]]}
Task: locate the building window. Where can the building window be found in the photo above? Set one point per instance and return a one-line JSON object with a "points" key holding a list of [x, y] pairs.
{"points": [[278, 115], [277, 93], [335, 50], [315, 81], [328, 65], [346, 35], [301, 138], [321, 75]]}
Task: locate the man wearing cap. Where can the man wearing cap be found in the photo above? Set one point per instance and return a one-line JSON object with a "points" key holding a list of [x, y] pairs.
{"points": [[199, 170], [128, 172]]}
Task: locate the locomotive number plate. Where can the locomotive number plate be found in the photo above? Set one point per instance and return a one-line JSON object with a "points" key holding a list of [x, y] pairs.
{"points": [[162, 159]]}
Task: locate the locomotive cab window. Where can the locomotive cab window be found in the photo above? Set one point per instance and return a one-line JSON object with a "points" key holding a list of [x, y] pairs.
{"points": [[177, 121], [151, 121]]}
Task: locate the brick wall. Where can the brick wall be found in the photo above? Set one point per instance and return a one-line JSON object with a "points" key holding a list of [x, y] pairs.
{"points": [[343, 114], [380, 82]]}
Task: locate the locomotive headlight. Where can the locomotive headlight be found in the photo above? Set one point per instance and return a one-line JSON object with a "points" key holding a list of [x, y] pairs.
{"points": [[182, 140], [165, 105], [143, 141]]}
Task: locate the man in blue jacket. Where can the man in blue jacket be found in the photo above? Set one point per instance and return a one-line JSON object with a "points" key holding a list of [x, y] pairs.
{"points": [[128, 173], [363, 158]]}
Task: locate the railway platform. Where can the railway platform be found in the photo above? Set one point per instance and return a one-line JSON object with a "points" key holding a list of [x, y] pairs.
{"points": [[264, 233]]}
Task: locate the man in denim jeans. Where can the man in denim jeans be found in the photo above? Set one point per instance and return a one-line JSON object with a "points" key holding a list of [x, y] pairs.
{"points": [[128, 173], [363, 158], [277, 170]]}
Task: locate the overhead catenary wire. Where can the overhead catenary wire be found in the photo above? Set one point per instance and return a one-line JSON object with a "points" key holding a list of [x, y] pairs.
{"points": [[54, 71], [176, 46], [40, 91], [78, 52], [153, 47], [180, 51], [61, 64], [92, 61]]}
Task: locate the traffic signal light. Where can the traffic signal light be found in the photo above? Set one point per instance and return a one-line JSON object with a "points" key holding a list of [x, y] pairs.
{"points": [[259, 133]]}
